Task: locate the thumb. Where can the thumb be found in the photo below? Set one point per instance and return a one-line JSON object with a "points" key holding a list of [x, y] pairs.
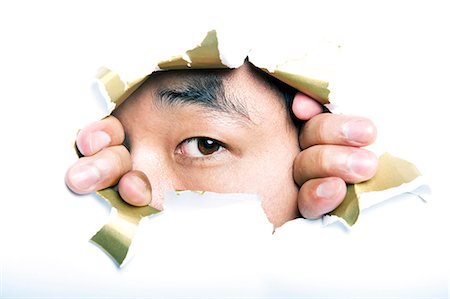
{"points": [[305, 108], [134, 188]]}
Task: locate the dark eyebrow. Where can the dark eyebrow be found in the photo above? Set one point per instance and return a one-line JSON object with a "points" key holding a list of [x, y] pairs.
{"points": [[205, 89]]}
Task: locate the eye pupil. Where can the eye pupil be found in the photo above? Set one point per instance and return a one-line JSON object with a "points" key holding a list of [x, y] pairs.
{"points": [[207, 146]]}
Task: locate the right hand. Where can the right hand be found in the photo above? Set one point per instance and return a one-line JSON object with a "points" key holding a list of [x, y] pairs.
{"points": [[106, 162]]}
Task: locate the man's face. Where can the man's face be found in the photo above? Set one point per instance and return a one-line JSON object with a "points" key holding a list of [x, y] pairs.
{"points": [[222, 131]]}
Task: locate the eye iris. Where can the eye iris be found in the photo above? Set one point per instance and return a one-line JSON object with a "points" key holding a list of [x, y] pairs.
{"points": [[207, 146]]}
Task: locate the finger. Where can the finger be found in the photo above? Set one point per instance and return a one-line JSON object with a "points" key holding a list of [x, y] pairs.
{"points": [[135, 188], [99, 135], [100, 171], [317, 197], [352, 164], [304, 107], [337, 129]]}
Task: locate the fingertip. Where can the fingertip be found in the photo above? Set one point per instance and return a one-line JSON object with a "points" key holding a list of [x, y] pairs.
{"points": [[320, 196], [99, 171], [360, 131], [82, 178], [69, 183], [134, 187], [362, 165], [304, 107], [99, 135], [81, 144], [89, 143]]}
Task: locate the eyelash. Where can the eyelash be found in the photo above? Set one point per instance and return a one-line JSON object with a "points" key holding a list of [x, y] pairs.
{"points": [[202, 157]]}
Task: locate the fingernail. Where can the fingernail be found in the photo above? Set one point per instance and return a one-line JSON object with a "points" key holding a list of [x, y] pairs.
{"points": [[359, 131], [85, 177], [139, 184], [98, 140], [142, 190], [328, 189], [362, 163]]}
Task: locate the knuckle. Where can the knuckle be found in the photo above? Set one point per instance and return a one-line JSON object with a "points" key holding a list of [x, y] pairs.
{"points": [[320, 131], [117, 160], [299, 167], [321, 159], [315, 131], [121, 158]]}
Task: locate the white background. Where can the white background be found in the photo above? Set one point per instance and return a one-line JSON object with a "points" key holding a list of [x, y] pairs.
{"points": [[395, 70]]}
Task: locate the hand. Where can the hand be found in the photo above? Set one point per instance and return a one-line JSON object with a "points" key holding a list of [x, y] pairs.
{"points": [[107, 161], [331, 156]]}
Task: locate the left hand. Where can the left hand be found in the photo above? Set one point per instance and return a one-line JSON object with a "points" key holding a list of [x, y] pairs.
{"points": [[331, 156]]}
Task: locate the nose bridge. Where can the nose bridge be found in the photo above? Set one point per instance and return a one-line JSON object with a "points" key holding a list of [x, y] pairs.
{"points": [[158, 167], [161, 182]]}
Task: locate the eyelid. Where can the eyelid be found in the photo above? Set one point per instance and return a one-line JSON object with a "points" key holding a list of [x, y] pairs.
{"points": [[186, 159], [203, 137]]}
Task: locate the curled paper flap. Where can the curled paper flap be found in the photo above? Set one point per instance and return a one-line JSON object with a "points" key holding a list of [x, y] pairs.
{"points": [[313, 87], [204, 56], [115, 237], [297, 73], [392, 173], [114, 89]]}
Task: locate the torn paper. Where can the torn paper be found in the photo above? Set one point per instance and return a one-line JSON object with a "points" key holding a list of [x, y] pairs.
{"points": [[232, 209], [310, 74], [115, 237], [301, 74], [211, 221], [394, 176]]}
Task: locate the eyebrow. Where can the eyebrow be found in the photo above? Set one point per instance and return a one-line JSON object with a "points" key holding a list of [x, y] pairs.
{"points": [[205, 90]]}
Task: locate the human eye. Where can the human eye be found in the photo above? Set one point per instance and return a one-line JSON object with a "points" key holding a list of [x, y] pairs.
{"points": [[198, 147]]}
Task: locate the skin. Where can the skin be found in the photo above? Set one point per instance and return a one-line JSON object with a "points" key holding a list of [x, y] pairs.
{"points": [[316, 170], [255, 154]]}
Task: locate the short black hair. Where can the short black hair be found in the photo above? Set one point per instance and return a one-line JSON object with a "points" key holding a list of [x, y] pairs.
{"points": [[205, 87]]}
